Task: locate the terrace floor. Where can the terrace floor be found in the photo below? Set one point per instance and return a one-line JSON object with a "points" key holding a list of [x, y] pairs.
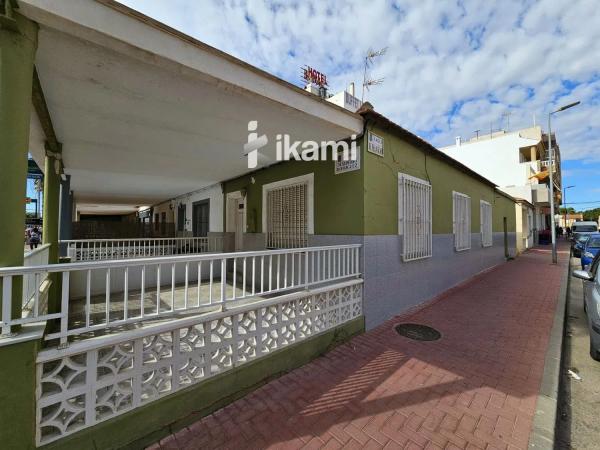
{"points": [[166, 300]]}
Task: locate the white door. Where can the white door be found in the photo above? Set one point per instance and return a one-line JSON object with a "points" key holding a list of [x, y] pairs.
{"points": [[239, 224]]}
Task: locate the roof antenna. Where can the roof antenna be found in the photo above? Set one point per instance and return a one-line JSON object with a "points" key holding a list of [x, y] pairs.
{"points": [[367, 81], [507, 114]]}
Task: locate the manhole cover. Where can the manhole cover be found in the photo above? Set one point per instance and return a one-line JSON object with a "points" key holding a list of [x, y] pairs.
{"points": [[418, 332]]}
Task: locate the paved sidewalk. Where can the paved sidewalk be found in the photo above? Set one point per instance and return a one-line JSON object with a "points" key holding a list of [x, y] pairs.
{"points": [[476, 388]]}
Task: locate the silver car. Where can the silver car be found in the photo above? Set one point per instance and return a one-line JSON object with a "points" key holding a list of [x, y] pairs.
{"points": [[591, 303]]}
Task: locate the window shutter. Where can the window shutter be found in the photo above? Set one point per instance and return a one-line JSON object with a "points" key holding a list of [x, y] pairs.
{"points": [[287, 225], [486, 223], [461, 217]]}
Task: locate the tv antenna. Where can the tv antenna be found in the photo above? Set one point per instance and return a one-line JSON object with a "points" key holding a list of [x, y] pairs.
{"points": [[507, 114], [368, 81]]}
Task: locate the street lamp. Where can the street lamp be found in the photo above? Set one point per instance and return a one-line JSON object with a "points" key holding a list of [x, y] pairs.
{"points": [[550, 157], [565, 203]]}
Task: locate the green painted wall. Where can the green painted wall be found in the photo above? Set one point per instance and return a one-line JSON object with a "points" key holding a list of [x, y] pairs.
{"points": [[18, 42], [17, 53], [381, 187], [366, 201], [17, 395], [504, 207], [156, 420], [50, 228], [337, 197]]}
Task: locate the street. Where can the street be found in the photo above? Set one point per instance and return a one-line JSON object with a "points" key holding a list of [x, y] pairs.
{"points": [[579, 419]]}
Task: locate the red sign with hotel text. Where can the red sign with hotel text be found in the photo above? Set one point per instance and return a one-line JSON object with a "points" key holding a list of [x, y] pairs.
{"points": [[314, 76]]}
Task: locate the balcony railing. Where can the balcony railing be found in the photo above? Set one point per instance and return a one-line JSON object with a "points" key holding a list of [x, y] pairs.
{"points": [[546, 163], [108, 249], [103, 295]]}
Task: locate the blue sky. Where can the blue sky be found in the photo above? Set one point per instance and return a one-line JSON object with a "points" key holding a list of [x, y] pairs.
{"points": [[451, 68]]}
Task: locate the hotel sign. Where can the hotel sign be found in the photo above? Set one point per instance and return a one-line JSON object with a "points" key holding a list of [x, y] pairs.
{"points": [[375, 144], [311, 75]]}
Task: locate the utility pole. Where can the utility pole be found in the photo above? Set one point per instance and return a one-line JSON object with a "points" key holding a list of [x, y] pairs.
{"points": [[551, 169]]}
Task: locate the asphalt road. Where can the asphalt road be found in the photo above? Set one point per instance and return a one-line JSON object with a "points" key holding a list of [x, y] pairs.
{"points": [[578, 424]]}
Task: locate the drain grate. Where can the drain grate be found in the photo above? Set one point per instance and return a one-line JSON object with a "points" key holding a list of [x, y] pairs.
{"points": [[418, 332]]}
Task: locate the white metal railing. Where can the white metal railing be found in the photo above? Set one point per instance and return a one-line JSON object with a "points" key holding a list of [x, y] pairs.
{"points": [[107, 249], [98, 379], [546, 163], [101, 295], [33, 281]]}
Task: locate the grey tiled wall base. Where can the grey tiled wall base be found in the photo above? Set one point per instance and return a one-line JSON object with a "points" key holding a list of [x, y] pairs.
{"points": [[392, 286]]}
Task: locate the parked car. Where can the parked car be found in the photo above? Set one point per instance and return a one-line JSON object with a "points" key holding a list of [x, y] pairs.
{"points": [[591, 303], [584, 227], [590, 250], [578, 244]]}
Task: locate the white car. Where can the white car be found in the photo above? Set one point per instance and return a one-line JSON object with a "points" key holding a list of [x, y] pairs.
{"points": [[591, 303], [584, 227]]}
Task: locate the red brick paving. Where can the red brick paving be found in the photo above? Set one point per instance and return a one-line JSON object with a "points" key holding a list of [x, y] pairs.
{"points": [[476, 388]]}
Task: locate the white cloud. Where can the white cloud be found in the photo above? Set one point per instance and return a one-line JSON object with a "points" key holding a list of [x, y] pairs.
{"points": [[478, 59]]}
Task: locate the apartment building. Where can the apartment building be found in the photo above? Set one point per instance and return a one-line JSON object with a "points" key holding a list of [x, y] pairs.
{"points": [[518, 162]]}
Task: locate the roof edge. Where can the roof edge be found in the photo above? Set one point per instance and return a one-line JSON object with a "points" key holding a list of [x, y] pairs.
{"points": [[368, 113], [160, 26]]}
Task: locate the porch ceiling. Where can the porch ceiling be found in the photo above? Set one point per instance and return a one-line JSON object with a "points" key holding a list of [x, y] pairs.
{"points": [[145, 114]]}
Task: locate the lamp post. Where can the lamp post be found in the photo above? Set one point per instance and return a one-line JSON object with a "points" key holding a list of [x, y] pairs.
{"points": [[565, 203], [550, 158]]}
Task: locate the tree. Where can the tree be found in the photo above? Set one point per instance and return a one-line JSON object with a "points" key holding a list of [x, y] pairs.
{"points": [[569, 210], [591, 214]]}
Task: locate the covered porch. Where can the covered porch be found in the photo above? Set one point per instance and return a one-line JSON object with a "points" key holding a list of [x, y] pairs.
{"points": [[123, 113]]}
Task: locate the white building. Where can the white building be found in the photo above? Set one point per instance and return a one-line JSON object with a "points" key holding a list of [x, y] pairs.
{"points": [[517, 162]]}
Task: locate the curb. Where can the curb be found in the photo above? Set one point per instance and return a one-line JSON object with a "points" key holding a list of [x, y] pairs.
{"points": [[544, 421]]}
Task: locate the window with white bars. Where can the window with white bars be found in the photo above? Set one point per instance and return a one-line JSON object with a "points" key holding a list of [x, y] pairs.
{"points": [[485, 214], [414, 217], [287, 218], [461, 218]]}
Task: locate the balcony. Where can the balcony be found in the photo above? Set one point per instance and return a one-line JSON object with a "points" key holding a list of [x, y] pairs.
{"points": [[540, 194], [546, 164]]}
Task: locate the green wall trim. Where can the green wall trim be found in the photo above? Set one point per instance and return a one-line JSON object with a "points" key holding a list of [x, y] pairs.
{"points": [[148, 424]]}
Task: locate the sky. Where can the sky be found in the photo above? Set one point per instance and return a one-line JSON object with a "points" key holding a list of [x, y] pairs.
{"points": [[451, 67]]}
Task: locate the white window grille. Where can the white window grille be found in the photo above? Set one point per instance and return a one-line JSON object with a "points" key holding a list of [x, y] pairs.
{"points": [[287, 218], [414, 217], [461, 218], [485, 214]]}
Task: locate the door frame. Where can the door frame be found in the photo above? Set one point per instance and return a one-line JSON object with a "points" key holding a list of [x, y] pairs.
{"points": [[182, 224], [230, 215], [197, 203]]}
